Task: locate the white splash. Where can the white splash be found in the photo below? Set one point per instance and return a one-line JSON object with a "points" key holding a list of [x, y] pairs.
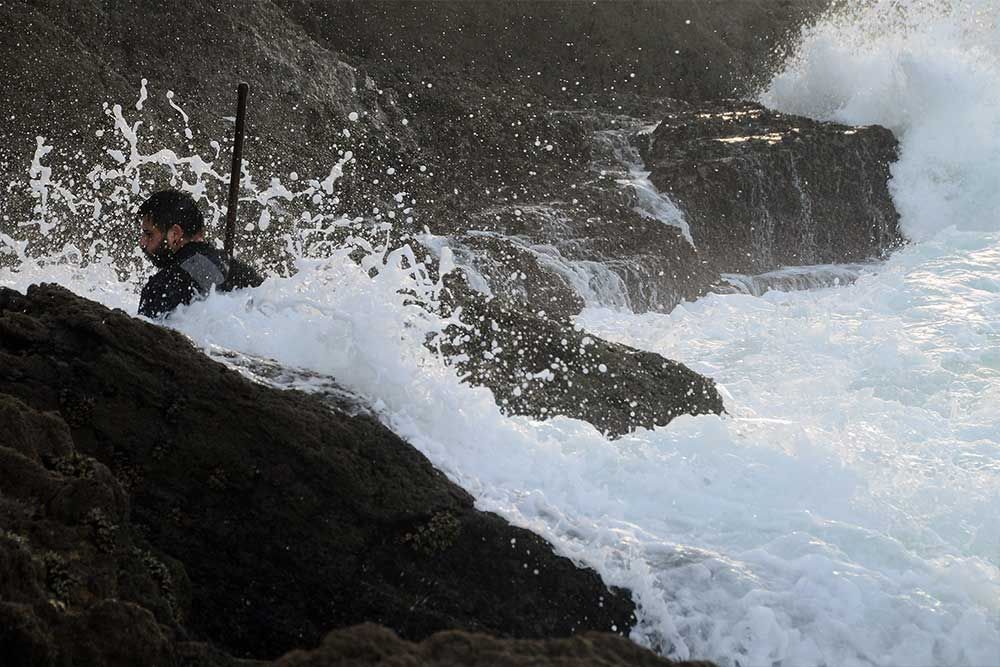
{"points": [[143, 96], [650, 202], [930, 72], [187, 128]]}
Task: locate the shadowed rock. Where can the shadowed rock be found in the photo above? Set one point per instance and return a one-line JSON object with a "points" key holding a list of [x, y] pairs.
{"points": [[287, 518], [372, 645], [78, 583]]}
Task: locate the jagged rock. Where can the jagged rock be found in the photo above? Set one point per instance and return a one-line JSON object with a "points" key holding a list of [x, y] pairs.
{"points": [[542, 367], [287, 517], [78, 583], [692, 49], [372, 645], [762, 190]]}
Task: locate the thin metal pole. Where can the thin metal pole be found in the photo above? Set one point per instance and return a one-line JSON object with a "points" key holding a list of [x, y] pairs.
{"points": [[234, 176]]}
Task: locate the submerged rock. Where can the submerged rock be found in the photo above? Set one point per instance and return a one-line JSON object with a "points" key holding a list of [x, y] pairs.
{"points": [[181, 501]]}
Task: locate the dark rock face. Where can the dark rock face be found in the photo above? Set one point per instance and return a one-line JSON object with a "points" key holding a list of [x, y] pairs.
{"points": [[78, 583], [372, 645], [762, 190], [690, 49], [158, 467], [541, 367]]}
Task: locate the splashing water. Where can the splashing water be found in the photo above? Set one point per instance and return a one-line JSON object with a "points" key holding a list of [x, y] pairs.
{"points": [[842, 513], [929, 71]]}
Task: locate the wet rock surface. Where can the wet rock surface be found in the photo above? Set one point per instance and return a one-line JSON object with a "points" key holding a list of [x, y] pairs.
{"points": [[153, 490], [542, 367], [762, 190], [78, 583]]}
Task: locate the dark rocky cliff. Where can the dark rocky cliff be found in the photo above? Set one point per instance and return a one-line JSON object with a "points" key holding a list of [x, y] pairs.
{"points": [[151, 497], [460, 105], [687, 49]]}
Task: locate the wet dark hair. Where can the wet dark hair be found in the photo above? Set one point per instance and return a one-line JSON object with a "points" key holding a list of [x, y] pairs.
{"points": [[172, 207]]}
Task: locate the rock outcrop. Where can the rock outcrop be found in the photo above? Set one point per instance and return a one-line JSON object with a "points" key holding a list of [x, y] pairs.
{"points": [[78, 583], [762, 190], [542, 367], [148, 486], [688, 49]]}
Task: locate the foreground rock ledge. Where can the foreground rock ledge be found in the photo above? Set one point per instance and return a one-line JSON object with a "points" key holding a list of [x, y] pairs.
{"points": [[372, 645], [159, 507]]}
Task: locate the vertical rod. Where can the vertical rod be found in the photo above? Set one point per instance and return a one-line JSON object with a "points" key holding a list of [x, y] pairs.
{"points": [[234, 176]]}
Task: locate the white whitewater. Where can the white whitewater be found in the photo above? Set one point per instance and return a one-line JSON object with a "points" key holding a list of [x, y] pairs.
{"points": [[649, 202], [845, 511]]}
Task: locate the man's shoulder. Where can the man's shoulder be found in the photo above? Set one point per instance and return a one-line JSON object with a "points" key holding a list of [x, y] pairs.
{"points": [[203, 264]]}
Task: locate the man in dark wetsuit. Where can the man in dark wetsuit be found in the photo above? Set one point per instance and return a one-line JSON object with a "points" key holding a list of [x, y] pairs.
{"points": [[172, 236]]}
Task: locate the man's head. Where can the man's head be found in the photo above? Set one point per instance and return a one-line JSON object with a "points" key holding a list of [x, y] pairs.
{"points": [[168, 221]]}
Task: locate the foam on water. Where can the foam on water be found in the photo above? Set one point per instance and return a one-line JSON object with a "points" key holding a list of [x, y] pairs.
{"points": [[842, 513], [860, 469], [793, 278]]}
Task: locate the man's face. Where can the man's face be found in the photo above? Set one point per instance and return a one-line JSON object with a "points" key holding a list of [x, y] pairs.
{"points": [[156, 245]]}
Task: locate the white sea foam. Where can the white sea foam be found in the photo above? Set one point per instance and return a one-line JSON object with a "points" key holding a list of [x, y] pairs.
{"points": [[853, 492], [842, 513]]}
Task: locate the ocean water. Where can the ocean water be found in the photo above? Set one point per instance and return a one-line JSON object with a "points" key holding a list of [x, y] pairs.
{"points": [[843, 512]]}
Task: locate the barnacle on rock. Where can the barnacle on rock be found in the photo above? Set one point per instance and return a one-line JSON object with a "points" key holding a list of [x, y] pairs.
{"points": [[161, 449], [19, 540], [176, 407], [75, 465], [436, 535], [160, 573], [105, 530], [129, 476], [76, 410], [218, 480], [59, 578]]}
